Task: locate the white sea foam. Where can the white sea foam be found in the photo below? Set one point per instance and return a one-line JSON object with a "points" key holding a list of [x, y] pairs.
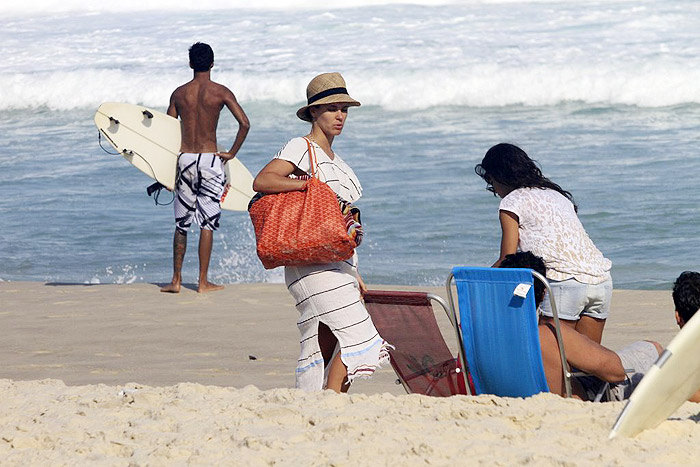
{"points": [[477, 86], [45, 6]]}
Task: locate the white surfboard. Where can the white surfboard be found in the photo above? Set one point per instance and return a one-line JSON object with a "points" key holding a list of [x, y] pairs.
{"points": [[150, 141], [669, 383]]}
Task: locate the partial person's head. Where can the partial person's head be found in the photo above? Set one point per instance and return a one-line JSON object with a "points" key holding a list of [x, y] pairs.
{"points": [[528, 260], [326, 93], [201, 57], [506, 167], [686, 296]]}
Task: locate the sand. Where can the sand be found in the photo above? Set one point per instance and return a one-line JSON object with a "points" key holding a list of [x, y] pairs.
{"points": [[125, 375]]}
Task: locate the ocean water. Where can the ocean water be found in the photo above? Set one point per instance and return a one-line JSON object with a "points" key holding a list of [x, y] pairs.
{"points": [[604, 95]]}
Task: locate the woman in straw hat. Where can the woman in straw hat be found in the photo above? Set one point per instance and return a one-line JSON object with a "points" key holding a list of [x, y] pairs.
{"points": [[338, 339]]}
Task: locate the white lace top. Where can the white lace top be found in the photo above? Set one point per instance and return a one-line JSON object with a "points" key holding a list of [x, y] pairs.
{"points": [[335, 172], [550, 228]]}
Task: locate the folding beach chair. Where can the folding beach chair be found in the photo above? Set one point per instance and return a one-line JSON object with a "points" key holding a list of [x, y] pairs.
{"points": [[421, 359], [497, 324]]}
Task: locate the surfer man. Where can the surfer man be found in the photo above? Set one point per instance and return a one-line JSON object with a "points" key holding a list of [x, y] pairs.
{"points": [[201, 178]]}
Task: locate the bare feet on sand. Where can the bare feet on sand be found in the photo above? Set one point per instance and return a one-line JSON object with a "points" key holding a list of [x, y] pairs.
{"points": [[173, 287], [208, 287]]}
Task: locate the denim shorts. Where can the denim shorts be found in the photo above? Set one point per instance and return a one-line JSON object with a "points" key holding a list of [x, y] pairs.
{"points": [[574, 299]]}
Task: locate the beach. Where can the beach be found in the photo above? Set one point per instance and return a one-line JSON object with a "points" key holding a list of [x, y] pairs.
{"points": [[97, 367], [123, 374]]}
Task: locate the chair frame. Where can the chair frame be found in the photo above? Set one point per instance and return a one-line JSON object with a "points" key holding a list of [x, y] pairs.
{"points": [[456, 324]]}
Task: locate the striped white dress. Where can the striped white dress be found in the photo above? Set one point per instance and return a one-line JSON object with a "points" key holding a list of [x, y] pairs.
{"points": [[330, 293]]}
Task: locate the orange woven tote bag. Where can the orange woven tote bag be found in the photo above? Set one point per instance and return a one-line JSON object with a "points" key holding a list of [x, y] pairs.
{"points": [[301, 227]]}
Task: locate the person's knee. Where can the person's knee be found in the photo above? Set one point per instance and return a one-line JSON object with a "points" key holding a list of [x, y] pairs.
{"points": [[659, 347]]}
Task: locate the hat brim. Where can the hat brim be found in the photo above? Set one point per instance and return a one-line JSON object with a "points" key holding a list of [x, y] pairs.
{"points": [[334, 99]]}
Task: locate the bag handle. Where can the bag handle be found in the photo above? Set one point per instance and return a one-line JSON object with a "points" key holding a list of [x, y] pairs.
{"points": [[312, 157]]}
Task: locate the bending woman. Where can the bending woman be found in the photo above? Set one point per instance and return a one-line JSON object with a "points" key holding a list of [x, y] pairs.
{"points": [[537, 215], [338, 339]]}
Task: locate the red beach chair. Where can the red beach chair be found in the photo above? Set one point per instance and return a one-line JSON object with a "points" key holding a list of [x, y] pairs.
{"points": [[421, 360]]}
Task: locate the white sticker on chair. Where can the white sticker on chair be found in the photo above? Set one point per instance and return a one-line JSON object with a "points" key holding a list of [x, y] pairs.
{"points": [[522, 289]]}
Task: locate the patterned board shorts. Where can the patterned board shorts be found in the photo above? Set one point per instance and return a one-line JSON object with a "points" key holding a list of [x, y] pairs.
{"points": [[199, 187]]}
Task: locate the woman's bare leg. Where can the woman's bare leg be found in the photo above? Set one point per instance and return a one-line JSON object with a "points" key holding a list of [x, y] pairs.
{"points": [[591, 328], [338, 376], [550, 321], [337, 373]]}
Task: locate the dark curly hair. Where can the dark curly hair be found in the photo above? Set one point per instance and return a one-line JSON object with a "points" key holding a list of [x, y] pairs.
{"points": [[201, 56], [686, 294], [526, 259], [511, 166]]}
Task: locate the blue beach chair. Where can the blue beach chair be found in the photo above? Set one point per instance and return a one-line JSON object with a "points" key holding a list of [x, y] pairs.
{"points": [[497, 330]]}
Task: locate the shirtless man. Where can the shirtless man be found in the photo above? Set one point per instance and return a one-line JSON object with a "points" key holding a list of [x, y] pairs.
{"points": [[587, 355], [200, 184]]}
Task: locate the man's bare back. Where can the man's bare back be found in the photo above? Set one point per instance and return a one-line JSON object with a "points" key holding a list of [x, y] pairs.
{"points": [[198, 104]]}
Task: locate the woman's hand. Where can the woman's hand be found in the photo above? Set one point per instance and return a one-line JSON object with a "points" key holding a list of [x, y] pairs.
{"points": [[274, 178]]}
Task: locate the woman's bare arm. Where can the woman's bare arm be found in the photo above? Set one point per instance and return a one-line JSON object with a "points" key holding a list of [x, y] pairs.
{"points": [[274, 178], [510, 235]]}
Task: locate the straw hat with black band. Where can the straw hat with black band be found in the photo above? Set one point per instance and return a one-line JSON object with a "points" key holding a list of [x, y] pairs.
{"points": [[326, 88]]}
